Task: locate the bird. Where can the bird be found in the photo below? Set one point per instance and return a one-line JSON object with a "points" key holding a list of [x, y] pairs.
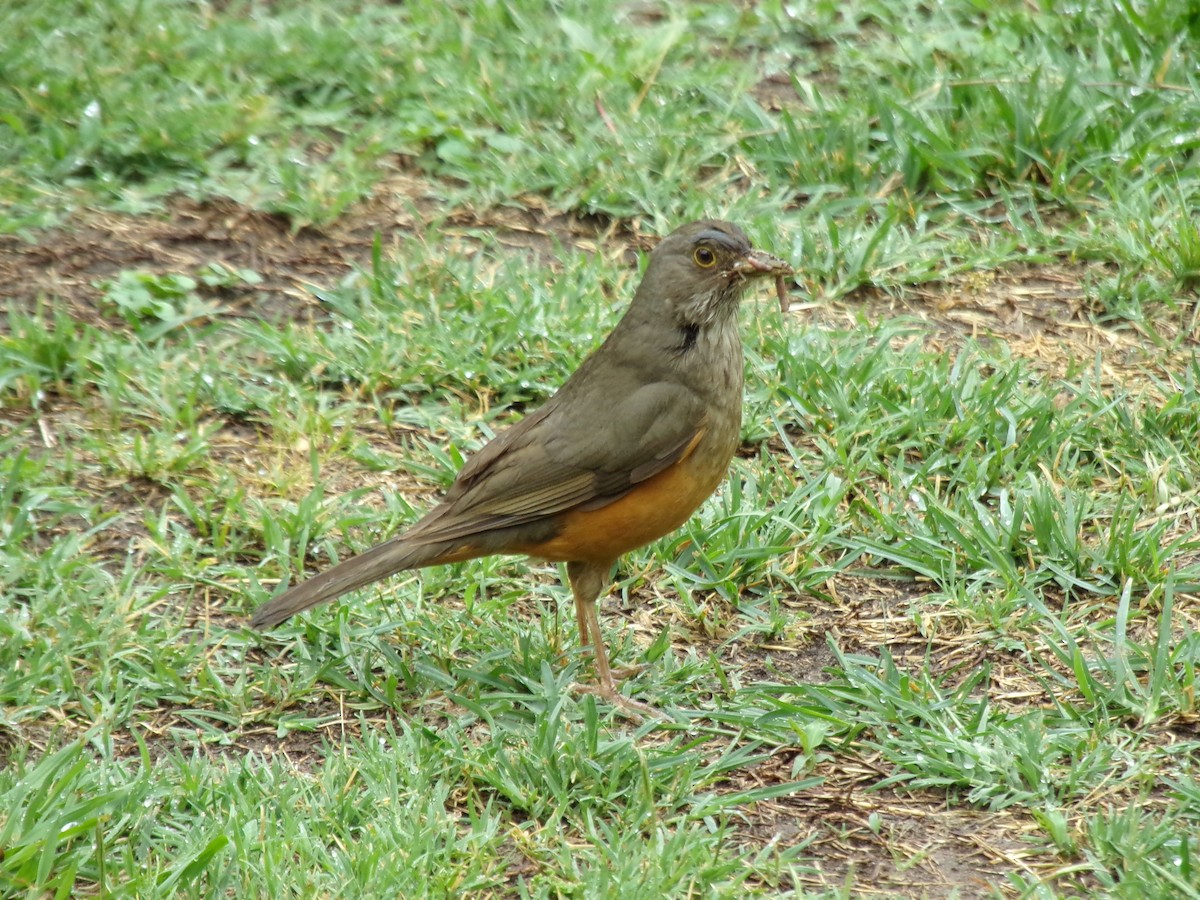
{"points": [[622, 454]]}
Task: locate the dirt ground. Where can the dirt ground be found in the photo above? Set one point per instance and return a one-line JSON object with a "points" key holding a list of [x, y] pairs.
{"points": [[849, 827]]}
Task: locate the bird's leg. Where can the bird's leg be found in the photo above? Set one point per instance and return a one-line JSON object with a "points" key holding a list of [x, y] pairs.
{"points": [[587, 582]]}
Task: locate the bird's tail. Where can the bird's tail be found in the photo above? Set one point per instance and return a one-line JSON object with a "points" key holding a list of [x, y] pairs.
{"points": [[378, 562]]}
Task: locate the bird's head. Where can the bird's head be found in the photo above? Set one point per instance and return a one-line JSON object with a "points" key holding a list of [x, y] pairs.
{"points": [[702, 269]]}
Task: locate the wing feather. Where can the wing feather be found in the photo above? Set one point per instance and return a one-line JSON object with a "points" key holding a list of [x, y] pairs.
{"points": [[564, 456]]}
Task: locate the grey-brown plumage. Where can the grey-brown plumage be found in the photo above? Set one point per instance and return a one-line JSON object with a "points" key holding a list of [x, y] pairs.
{"points": [[623, 453]]}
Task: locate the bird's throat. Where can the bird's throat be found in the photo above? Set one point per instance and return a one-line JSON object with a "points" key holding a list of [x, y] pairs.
{"points": [[688, 335]]}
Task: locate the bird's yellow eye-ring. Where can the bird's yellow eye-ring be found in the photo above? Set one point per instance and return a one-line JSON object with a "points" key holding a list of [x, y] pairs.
{"points": [[704, 257]]}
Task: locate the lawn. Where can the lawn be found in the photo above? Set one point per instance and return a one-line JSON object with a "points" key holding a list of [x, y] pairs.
{"points": [[270, 272]]}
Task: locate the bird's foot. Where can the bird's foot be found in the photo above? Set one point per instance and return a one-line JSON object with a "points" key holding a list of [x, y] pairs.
{"points": [[634, 710], [629, 671]]}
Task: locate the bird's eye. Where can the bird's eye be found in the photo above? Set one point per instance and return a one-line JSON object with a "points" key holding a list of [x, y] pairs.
{"points": [[704, 257]]}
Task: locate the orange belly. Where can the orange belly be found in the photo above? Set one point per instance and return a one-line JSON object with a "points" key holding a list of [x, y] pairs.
{"points": [[654, 507]]}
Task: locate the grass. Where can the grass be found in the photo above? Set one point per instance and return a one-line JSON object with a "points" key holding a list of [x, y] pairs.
{"points": [[271, 274]]}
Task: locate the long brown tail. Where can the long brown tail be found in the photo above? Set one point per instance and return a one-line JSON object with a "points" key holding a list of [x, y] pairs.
{"points": [[377, 563]]}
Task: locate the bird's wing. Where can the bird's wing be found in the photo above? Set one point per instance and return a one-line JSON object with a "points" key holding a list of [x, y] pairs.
{"points": [[568, 454]]}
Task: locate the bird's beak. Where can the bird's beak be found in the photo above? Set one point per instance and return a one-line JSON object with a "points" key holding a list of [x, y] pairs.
{"points": [[757, 263]]}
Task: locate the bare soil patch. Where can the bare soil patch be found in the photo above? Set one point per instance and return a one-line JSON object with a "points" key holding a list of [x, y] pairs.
{"points": [[902, 843], [1046, 315], [70, 264]]}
